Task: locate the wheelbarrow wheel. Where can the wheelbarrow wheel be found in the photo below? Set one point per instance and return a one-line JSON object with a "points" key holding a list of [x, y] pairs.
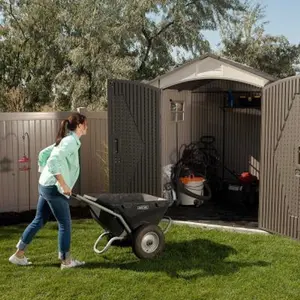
{"points": [[148, 242]]}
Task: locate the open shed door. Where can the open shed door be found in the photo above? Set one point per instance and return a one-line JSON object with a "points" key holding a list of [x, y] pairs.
{"points": [[280, 158], [134, 138]]}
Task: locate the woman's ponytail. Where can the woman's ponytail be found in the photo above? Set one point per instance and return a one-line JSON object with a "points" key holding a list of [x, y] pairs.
{"points": [[62, 131]]}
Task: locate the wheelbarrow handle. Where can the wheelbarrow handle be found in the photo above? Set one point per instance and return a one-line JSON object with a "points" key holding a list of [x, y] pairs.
{"points": [[81, 198], [76, 196]]}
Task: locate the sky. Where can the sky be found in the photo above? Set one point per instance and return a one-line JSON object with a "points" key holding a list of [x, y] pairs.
{"points": [[283, 17]]}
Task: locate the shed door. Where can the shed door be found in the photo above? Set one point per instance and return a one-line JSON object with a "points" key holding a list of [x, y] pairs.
{"points": [[280, 158], [134, 138]]}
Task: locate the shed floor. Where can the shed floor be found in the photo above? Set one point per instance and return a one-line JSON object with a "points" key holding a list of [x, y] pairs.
{"points": [[213, 213]]}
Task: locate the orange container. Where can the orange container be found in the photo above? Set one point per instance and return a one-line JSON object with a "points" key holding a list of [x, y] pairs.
{"points": [[186, 180], [193, 184]]}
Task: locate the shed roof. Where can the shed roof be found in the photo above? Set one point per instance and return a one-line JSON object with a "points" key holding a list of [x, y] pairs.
{"points": [[210, 67]]}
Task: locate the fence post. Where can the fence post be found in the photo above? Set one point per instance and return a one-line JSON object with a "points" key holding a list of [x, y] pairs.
{"points": [[82, 110]]}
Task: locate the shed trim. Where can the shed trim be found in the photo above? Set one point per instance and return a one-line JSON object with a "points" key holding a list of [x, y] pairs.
{"points": [[261, 79]]}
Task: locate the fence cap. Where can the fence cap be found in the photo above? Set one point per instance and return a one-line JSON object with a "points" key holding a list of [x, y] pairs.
{"points": [[81, 109]]}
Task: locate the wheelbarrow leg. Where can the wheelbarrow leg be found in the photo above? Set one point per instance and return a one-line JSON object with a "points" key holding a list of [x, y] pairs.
{"points": [[116, 238], [169, 220]]}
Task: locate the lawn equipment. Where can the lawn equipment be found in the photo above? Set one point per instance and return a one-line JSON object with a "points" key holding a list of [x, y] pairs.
{"points": [[201, 161], [243, 190], [130, 219]]}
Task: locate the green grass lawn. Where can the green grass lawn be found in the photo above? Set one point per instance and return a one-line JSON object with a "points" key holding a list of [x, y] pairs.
{"points": [[196, 264]]}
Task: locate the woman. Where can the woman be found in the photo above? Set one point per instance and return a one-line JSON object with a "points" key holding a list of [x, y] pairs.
{"points": [[59, 166]]}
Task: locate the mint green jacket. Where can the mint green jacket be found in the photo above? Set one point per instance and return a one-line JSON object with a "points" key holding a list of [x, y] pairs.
{"points": [[62, 159]]}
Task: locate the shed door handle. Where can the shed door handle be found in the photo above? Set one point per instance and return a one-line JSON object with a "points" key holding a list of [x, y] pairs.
{"points": [[116, 146]]}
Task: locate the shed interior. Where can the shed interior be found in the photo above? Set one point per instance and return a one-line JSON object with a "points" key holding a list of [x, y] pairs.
{"points": [[211, 129]]}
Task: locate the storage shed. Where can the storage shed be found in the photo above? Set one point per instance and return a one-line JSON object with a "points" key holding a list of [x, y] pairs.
{"points": [[253, 118], [201, 90]]}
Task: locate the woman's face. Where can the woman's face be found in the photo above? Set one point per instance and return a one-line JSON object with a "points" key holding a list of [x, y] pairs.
{"points": [[82, 128]]}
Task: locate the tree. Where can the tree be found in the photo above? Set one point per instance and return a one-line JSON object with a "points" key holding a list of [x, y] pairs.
{"points": [[160, 26], [134, 39], [94, 40], [62, 52], [247, 42], [30, 58]]}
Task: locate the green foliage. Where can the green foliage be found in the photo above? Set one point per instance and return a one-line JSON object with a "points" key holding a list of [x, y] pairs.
{"points": [[29, 55], [60, 53], [179, 24], [246, 42]]}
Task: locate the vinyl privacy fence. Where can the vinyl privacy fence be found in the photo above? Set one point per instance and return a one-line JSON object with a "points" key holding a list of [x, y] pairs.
{"points": [[23, 135]]}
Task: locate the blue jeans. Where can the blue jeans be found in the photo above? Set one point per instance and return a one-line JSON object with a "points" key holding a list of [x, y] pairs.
{"points": [[50, 201]]}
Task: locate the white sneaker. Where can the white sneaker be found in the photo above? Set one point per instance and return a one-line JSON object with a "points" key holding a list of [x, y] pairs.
{"points": [[19, 261], [73, 264]]}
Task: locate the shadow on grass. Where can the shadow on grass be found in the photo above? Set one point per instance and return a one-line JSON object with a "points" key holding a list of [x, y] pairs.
{"points": [[196, 258]]}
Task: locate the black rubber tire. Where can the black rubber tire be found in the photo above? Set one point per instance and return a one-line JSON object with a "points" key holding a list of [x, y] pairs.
{"points": [[152, 232]]}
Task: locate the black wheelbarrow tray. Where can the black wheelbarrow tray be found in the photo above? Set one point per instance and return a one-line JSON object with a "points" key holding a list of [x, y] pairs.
{"points": [[132, 218]]}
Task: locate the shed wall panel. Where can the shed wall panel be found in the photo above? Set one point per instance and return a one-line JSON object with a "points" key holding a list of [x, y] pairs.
{"points": [[237, 131]]}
